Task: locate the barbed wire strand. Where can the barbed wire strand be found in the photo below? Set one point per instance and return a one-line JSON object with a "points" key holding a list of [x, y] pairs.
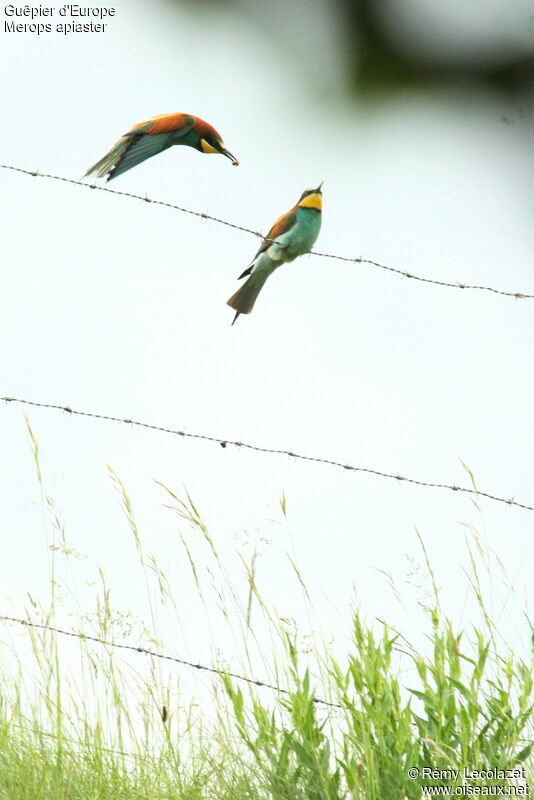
{"points": [[271, 450], [205, 216], [163, 656]]}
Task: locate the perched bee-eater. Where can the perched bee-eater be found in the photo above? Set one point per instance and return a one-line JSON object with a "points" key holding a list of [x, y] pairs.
{"points": [[292, 235], [154, 135]]}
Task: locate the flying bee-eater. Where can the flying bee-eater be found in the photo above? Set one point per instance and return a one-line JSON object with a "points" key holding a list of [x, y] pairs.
{"points": [[292, 235], [154, 135]]}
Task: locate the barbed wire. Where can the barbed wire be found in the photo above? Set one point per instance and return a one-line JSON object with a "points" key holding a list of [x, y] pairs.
{"points": [[203, 215], [271, 450], [162, 656]]}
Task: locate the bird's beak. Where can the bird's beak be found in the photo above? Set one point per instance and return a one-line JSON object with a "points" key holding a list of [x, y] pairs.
{"points": [[320, 187], [229, 155]]}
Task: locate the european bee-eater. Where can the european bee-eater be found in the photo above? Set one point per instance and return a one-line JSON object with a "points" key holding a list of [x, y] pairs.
{"points": [[292, 235], [154, 135]]}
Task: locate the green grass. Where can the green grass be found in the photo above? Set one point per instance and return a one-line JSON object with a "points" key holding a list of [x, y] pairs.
{"points": [[464, 709], [85, 722]]}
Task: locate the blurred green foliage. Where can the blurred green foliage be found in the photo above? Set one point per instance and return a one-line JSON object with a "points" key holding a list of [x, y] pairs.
{"points": [[377, 63]]}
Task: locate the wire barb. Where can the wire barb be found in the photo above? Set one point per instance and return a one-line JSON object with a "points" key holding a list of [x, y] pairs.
{"points": [[163, 656], [204, 216], [272, 450]]}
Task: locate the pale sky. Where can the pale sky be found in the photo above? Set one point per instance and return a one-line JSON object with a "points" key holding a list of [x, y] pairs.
{"points": [[116, 307]]}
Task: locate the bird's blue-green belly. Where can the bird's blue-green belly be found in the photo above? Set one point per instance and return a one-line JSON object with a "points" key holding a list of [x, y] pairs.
{"points": [[302, 236]]}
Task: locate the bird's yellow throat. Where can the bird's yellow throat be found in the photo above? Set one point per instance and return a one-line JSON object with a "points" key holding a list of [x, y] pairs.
{"points": [[314, 200], [207, 148]]}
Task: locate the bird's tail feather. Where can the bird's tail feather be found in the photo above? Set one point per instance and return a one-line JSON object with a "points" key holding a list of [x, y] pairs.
{"points": [[245, 297], [111, 159]]}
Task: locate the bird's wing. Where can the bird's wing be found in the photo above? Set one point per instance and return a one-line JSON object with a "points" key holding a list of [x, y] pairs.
{"points": [[282, 225], [140, 148], [177, 124]]}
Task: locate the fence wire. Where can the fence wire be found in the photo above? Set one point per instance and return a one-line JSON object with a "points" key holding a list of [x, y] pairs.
{"points": [[203, 215], [162, 656], [511, 501]]}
